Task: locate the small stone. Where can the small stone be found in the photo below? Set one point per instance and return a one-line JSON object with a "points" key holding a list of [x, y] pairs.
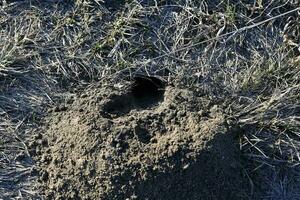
{"points": [[186, 166], [83, 95]]}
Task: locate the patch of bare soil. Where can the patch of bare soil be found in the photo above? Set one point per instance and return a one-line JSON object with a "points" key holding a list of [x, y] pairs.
{"points": [[143, 142]]}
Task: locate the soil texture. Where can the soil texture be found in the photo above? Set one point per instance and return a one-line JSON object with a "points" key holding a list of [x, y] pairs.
{"points": [[139, 141]]}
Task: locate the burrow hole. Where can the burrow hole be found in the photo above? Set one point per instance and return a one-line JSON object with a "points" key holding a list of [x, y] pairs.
{"points": [[145, 92]]}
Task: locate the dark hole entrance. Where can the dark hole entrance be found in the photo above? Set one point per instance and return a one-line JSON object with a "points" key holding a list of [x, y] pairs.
{"points": [[144, 93], [145, 88]]}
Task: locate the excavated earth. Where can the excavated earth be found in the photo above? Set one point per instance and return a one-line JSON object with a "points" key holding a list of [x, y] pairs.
{"points": [[128, 142]]}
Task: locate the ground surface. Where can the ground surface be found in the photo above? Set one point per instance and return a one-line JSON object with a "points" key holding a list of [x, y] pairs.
{"points": [[176, 148], [74, 123]]}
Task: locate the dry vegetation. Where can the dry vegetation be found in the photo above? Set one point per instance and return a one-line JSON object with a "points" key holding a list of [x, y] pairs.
{"points": [[49, 48]]}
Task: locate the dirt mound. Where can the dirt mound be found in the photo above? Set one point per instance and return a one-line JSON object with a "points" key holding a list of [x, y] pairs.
{"points": [[120, 143]]}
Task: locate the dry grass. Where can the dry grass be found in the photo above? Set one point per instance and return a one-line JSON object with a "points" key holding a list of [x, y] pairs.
{"points": [[48, 47]]}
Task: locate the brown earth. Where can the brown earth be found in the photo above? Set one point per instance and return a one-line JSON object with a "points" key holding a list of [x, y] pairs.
{"points": [[119, 143]]}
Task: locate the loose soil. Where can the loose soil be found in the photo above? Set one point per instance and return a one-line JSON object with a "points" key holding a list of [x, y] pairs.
{"points": [[130, 142]]}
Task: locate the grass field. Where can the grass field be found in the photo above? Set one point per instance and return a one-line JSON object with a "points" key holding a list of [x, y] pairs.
{"points": [[245, 52]]}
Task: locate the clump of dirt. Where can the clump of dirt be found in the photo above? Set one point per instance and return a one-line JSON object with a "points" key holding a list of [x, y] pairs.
{"points": [[122, 143]]}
